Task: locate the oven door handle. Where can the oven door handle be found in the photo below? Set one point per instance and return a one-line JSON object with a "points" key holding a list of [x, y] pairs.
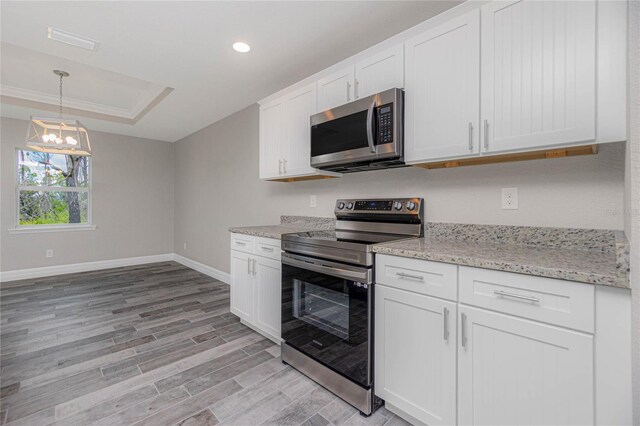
{"points": [[370, 140], [362, 276]]}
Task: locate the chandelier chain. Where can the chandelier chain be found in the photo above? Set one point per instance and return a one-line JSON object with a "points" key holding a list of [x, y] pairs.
{"points": [[61, 76]]}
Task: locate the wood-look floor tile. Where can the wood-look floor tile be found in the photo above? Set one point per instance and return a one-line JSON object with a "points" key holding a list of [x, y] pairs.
{"points": [[149, 344]]}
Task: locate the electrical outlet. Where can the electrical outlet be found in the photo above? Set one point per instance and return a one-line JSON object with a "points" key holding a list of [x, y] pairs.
{"points": [[49, 252], [184, 246], [313, 201], [509, 198]]}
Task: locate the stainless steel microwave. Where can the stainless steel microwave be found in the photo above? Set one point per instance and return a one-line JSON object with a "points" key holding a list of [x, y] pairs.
{"points": [[366, 134]]}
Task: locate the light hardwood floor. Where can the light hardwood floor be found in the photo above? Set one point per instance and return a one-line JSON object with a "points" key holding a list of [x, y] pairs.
{"points": [[153, 345]]}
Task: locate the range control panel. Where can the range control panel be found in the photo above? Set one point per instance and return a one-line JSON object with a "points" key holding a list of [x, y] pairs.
{"points": [[382, 205]]}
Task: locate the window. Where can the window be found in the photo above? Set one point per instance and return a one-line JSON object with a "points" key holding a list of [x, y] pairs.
{"points": [[53, 190]]}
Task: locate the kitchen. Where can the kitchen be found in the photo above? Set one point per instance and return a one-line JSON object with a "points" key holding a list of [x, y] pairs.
{"points": [[524, 241]]}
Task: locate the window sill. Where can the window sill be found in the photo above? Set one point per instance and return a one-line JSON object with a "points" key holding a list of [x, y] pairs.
{"points": [[61, 228]]}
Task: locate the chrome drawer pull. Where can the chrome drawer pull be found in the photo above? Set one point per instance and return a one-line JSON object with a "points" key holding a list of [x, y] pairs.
{"points": [[445, 315], [463, 327], [412, 277], [240, 243], [516, 296], [266, 248]]}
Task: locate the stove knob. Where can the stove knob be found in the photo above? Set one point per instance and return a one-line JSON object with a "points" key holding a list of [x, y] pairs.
{"points": [[397, 205], [411, 205], [349, 206], [340, 206]]}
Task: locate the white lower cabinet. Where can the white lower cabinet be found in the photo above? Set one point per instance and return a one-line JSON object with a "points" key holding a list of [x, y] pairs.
{"points": [[256, 284], [241, 285], [267, 295], [513, 371], [513, 350], [415, 350]]}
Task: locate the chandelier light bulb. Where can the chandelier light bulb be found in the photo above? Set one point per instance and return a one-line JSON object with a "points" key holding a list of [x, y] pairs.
{"points": [[70, 140]]}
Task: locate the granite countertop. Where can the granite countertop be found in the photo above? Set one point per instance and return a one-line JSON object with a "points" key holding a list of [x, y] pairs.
{"points": [[288, 225], [588, 256]]}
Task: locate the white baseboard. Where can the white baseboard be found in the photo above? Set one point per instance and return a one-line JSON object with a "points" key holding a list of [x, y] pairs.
{"points": [[201, 267], [23, 274]]}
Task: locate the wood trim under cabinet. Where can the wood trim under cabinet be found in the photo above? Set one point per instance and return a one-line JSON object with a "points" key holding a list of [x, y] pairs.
{"points": [[506, 158], [302, 178]]}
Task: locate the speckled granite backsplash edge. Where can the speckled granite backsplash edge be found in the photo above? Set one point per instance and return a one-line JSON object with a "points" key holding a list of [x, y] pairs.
{"points": [[592, 240], [320, 223], [599, 240]]}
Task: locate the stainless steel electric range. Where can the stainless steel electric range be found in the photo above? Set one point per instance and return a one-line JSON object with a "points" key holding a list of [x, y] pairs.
{"points": [[328, 294]]}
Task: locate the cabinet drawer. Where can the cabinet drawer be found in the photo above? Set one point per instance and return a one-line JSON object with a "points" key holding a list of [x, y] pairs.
{"points": [[268, 247], [243, 243], [558, 302], [420, 276]]}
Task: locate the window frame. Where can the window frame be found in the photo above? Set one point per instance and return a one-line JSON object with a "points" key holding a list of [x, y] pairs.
{"points": [[18, 228]]}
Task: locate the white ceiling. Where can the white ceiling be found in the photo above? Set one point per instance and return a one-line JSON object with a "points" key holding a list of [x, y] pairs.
{"points": [[147, 46]]}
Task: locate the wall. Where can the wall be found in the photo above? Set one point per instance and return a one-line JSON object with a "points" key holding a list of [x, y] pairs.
{"points": [[217, 186], [632, 194], [132, 204]]}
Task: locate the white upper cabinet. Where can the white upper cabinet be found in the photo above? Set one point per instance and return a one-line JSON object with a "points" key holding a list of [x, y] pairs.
{"points": [[380, 72], [272, 139], [513, 371], [538, 74], [442, 98], [336, 89], [298, 108]]}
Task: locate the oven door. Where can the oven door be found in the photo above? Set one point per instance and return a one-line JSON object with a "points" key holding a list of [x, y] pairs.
{"points": [[326, 314], [364, 130]]}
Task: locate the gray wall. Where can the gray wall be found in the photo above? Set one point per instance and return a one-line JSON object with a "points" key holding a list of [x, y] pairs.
{"points": [[132, 204], [632, 194], [217, 186]]}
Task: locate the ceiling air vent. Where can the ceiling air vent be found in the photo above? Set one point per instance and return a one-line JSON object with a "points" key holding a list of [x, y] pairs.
{"points": [[72, 39]]}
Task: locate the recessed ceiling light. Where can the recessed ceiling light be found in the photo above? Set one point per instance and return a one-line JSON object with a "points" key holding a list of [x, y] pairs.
{"points": [[72, 39], [241, 47]]}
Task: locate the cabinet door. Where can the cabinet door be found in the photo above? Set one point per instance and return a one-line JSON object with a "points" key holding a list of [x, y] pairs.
{"points": [[415, 364], [272, 139], [242, 285], [299, 106], [335, 89], [538, 73], [442, 107], [380, 72], [513, 371], [267, 296]]}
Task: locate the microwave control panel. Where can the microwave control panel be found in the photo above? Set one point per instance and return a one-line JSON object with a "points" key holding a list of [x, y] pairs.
{"points": [[385, 124]]}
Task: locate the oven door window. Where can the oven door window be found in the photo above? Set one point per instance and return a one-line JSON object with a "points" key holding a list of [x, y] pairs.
{"points": [[327, 318]]}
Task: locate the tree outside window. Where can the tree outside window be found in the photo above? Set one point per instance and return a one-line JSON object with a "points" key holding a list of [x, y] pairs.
{"points": [[52, 189]]}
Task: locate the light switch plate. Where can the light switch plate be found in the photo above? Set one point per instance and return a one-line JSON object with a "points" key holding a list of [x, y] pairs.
{"points": [[313, 201], [509, 198], [49, 253]]}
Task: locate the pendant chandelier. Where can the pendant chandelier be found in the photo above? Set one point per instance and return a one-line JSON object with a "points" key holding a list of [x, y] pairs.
{"points": [[58, 135]]}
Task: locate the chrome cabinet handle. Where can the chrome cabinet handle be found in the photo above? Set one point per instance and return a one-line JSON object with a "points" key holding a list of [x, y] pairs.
{"points": [[445, 316], [254, 266], [266, 248], [348, 91], [355, 89], [470, 136], [409, 276], [240, 243], [370, 141], [284, 167], [463, 327], [248, 266], [279, 167], [486, 134], [516, 296]]}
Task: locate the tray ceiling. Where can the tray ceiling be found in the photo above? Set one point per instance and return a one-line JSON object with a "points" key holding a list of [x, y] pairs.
{"points": [[149, 48]]}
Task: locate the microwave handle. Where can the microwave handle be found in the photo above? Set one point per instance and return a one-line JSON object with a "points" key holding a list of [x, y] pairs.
{"points": [[370, 140]]}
